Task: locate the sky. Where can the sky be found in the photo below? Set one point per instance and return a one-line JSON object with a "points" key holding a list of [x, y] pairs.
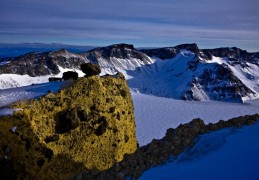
{"points": [[144, 23]]}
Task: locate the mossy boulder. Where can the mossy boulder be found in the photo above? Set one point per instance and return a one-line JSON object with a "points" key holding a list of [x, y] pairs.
{"points": [[88, 125], [90, 69]]}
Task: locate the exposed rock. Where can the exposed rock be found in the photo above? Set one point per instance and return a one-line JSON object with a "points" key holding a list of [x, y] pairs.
{"points": [[70, 75], [53, 79], [90, 69], [119, 51], [170, 52], [66, 133], [218, 84], [226, 52]]}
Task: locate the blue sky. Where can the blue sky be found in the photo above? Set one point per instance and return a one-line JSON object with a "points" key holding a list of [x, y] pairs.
{"points": [[144, 23]]}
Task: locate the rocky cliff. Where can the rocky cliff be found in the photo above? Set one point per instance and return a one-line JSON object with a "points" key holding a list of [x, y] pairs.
{"points": [[87, 125]]}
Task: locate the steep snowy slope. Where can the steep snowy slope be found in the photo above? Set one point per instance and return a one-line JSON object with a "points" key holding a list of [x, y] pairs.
{"points": [[193, 74], [118, 58]]}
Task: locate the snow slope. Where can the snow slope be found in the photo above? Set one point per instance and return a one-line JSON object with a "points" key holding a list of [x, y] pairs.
{"points": [[184, 75], [15, 80], [8, 96], [154, 115], [230, 153], [164, 78]]}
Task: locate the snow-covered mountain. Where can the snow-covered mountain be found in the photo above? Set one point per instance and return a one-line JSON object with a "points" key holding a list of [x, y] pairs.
{"points": [[180, 72]]}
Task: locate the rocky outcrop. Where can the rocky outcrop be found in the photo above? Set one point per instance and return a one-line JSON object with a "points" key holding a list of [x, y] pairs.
{"points": [[234, 53], [158, 151], [119, 51], [87, 125], [170, 52]]}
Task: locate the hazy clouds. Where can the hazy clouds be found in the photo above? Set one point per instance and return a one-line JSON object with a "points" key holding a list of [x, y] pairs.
{"points": [[141, 22]]}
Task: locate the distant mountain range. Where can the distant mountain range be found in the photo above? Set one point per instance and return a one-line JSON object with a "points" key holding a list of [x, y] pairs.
{"points": [[180, 72], [14, 50]]}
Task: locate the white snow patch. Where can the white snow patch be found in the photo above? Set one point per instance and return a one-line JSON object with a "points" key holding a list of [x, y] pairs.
{"points": [[13, 129], [66, 54], [217, 60], [62, 70], [4, 62]]}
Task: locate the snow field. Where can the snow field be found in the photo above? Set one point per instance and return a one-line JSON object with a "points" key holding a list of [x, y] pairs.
{"points": [[154, 115]]}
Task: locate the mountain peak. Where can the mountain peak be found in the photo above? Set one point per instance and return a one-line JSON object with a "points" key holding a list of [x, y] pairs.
{"points": [[122, 46], [119, 51], [191, 47]]}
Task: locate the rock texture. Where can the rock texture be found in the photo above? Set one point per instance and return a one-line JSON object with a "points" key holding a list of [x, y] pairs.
{"points": [[87, 125], [158, 151]]}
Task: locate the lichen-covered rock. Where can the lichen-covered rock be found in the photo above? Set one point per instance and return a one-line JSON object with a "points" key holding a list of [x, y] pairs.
{"points": [[88, 125]]}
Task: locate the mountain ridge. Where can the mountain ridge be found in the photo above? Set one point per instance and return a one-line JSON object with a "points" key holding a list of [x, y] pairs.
{"points": [[181, 72]]}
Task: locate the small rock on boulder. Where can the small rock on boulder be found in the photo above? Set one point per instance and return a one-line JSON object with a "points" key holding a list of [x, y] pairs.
{"points": [[90, 69], [70, 75]]}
